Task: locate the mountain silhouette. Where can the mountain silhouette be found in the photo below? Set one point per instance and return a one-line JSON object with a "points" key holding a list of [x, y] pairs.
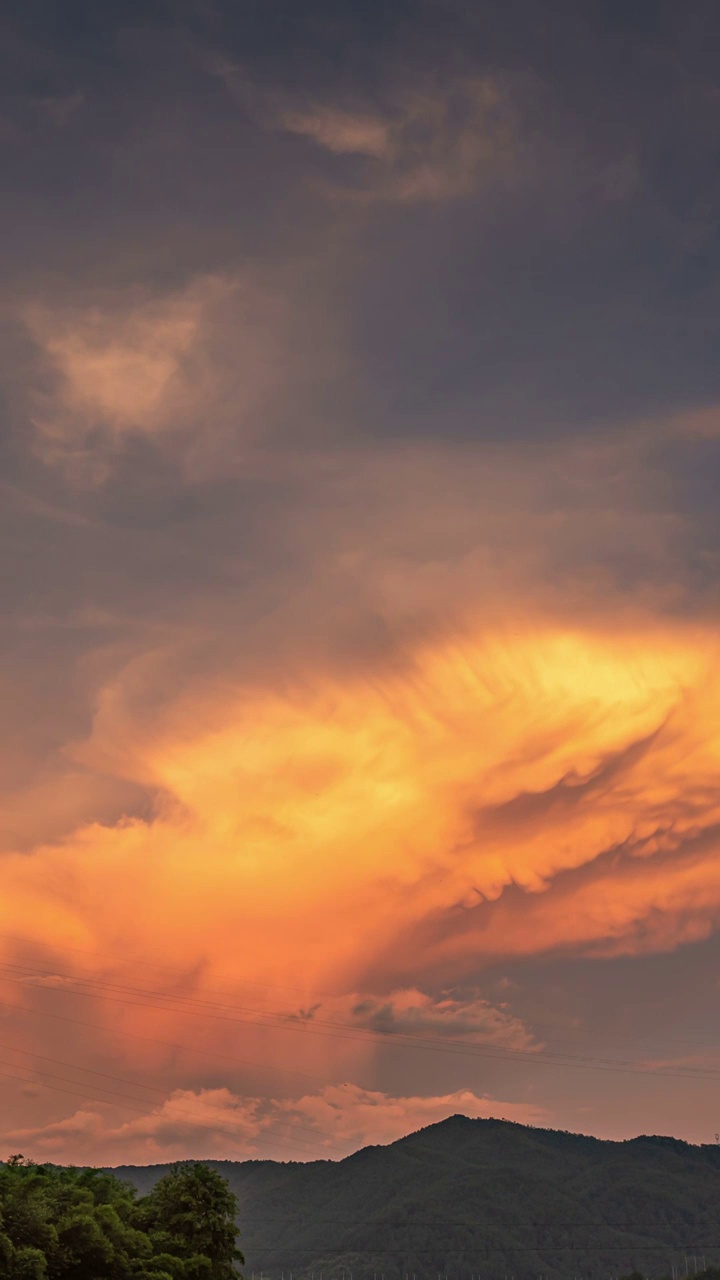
{"points": [[480, 1198]]}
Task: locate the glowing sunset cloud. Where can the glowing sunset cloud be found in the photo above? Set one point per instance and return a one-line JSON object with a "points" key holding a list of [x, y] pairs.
{"points": [[360, 663], [296, 834]]}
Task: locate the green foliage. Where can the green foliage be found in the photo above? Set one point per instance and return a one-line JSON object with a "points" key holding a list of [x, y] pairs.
{"points": [[71, 1224], [193, 1208], [29, 1264]]}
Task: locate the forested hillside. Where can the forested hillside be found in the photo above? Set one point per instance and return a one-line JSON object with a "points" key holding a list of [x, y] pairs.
{"points": [[482, 1197], [83, 1224]]}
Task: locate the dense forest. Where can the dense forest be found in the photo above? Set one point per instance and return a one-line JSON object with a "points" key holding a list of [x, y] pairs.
{"points": [[84, 1224], [483, 1198]]}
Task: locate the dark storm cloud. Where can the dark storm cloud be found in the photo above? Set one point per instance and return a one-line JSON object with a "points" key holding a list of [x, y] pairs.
{"points": [[358, 498], [578, 293]]}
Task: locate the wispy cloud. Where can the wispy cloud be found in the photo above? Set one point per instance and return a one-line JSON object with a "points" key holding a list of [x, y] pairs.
{"points": [[201, 372], [434, 141], [342, 132]]}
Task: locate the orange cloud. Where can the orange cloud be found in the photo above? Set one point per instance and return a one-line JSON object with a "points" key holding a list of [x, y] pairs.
{"points": [[331, 679], [356, 1116], [319, 822], [325, 859], [220, 1125]]}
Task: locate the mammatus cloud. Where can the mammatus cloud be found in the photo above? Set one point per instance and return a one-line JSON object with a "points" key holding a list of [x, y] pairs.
{"points": [[330, 1123]]}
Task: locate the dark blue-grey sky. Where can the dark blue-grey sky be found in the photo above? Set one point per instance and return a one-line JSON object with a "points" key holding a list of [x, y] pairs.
{"points": [[359, 660]]}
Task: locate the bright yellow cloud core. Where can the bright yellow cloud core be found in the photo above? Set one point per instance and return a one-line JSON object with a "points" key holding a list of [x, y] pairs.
{"points": [[305, 829]]}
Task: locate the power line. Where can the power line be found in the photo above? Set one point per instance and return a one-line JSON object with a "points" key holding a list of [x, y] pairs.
{"points": [[432, 1223], [344, 1031], [154, 964], [630, 1247], [313, 994], [168, 1044]]}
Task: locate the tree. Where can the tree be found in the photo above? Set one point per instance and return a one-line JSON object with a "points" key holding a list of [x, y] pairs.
{"points": [[191, 1214], [74, 1224], [29, 1264]]}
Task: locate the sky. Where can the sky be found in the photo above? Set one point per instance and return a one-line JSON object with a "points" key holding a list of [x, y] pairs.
{"points": [[359, 659]]}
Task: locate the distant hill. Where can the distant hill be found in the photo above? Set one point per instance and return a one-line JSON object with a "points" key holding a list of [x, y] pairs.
{"points": [[483, 1198]]}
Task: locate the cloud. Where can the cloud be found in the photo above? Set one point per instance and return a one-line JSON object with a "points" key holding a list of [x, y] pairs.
{"points": [[212, 1118], [446, 693], [119, 372], [197, 373], [342, 132], [217, 1124], [358, 544], [432, 143], [415, 1013], [353, 809], [360, 1117], [115, 371]]}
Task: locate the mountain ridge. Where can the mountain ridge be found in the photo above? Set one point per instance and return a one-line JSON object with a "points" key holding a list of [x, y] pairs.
{"points": [[488, 1197]]}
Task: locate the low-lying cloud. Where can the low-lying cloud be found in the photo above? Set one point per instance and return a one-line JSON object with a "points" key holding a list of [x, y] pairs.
{"points": [[328, 1124]]}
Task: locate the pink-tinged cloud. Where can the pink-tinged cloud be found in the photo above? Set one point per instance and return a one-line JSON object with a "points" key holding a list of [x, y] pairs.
{"points": [[219, 1125]]}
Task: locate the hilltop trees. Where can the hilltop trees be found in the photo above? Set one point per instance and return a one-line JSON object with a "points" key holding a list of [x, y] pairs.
{"points": [[191, 1212], [69, 1224]]}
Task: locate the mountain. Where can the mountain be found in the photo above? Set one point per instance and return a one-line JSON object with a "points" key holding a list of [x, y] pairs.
{"points": [[480, 1198]]}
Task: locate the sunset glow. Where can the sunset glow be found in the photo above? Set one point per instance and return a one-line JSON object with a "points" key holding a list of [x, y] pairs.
{"points": [[360, 661]]}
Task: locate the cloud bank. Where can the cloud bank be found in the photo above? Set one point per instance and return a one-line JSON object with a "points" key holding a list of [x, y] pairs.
{"points": [[360, 661]]}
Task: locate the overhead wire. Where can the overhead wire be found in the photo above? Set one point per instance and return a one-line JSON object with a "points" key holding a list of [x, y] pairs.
{"points": [[317, 995], [336, 1030], [193, 1049], [167, 1002]]}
